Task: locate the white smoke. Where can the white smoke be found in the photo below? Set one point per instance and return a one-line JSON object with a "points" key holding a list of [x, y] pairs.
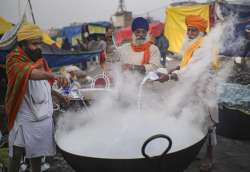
{"points": [[228, 35], [115, 128]]}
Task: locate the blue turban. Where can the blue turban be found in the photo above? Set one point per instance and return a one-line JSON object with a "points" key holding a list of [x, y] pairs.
{"points": [[140, 23]]}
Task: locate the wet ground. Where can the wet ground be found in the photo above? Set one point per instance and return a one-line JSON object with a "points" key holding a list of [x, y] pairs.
{"points": [[230, 156]]}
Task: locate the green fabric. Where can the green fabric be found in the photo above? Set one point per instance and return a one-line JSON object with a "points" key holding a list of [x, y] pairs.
{"points": [[4, 157]]}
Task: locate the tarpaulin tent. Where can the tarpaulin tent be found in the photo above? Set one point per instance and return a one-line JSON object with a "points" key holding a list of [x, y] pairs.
{"points": [[49, 41], [101, 24], [70, 31], [8, 40], [125, 34], [175, 27], [96, 29], [57, 57], [4, 25]]}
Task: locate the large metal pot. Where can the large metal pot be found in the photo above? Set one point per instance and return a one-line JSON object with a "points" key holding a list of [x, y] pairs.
{"points": [[173, 162], [94, 93], [233, 124]]}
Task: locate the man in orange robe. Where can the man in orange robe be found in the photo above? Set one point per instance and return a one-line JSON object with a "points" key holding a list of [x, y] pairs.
{"points": [[192, 46]]}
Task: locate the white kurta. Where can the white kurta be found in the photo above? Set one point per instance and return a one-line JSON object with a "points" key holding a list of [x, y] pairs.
{"points": [[33, 128], [201, 62], [128, 56]]}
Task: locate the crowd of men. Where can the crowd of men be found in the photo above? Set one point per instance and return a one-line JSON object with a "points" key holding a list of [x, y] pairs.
{"points": [[29, 112]]}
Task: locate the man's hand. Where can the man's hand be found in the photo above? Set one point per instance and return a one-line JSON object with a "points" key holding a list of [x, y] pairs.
{"points": [[60, 98], [62, 81], [174, 69], [127, 67], [162, 77], [174, 76], [65, 100]]}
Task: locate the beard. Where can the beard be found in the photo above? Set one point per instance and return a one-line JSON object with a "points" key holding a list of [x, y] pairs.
{"points": [[34, 55], [139, 40], [187, 43]]}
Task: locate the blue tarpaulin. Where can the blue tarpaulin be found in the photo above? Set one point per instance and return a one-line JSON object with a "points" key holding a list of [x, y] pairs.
{"points": [[57, 58], [71, 31]]}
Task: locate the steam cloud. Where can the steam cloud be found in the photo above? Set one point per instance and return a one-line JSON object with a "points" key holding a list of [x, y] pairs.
{"points": [[114, 128]]}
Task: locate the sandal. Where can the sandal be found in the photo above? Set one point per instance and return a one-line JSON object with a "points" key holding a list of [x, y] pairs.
{"points": [[206, 166]]}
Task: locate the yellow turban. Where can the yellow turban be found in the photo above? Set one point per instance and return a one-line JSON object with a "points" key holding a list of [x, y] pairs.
{"points": [[198, 22], [29, 31]]}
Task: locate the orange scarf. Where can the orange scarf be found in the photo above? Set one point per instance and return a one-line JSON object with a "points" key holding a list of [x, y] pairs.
{"points": [[143, 48], [189, 52], [18, 68]]}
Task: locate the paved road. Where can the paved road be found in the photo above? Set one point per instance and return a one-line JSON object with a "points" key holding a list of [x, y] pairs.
{"points": [[230, 156]]}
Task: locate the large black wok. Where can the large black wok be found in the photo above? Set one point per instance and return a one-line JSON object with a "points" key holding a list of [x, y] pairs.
{"points": [[233, 124], [173, 162]]}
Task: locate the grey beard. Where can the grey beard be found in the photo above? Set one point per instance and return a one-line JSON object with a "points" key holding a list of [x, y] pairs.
{"points": [[140, 41]]}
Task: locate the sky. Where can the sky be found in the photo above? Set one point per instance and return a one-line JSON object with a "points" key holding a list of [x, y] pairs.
{"points": [[59, 13]]}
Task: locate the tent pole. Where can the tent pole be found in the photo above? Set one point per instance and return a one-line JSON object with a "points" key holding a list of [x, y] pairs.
{"points": [[32, 12], [19, 9]]}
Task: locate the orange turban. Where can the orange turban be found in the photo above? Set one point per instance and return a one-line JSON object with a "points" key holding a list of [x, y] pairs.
{"points": [[197, 22]]}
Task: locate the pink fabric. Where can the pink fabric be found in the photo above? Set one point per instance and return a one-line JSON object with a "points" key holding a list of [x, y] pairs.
{"points": [[126, 33]]}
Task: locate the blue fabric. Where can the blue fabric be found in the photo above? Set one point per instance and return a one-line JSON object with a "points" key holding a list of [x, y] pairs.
{"points": [[57, 60], [163, 44], [70, 31], [3, 55], [140, 23], [61, 59]]}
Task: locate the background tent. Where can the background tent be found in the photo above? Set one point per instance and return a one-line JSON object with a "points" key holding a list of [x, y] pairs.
{"points": [[71, 31], [4, 25], [241, 14], [125, 34], [101, 24], [57, 57], [175, 28], [49, 41]]}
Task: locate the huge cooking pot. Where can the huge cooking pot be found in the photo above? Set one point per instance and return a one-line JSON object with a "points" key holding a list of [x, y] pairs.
{"points": [[233, 124], [173, 162]]}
